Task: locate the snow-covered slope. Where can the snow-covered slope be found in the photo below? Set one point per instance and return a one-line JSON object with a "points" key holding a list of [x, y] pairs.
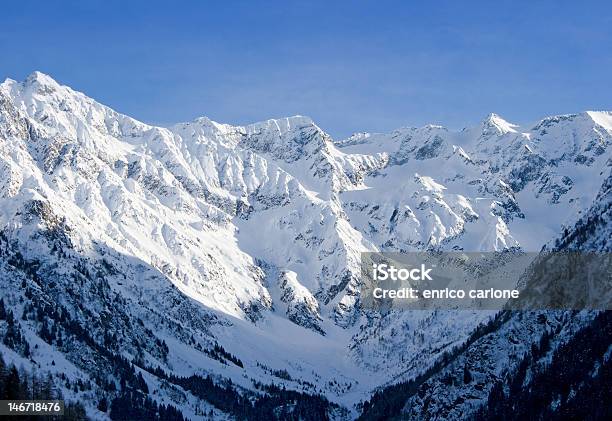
{"points": [[173, 242], [507, 360]]}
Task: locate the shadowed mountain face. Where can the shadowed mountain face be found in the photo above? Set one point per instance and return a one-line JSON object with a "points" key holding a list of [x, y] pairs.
{"points": [[199, 264], [521, 364]]}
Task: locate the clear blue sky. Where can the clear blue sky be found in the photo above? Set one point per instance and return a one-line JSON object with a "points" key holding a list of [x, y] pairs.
{"points": [[350, 65]]}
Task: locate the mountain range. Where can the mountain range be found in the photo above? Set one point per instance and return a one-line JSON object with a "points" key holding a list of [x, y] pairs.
{"points": [[214, 270]]}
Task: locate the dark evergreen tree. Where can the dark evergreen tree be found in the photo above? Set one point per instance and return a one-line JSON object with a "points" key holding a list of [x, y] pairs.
{"points": [[12, 384], [467, 376], [102, 405]]}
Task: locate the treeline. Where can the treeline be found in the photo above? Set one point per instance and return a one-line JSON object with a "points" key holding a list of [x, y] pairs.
{"points": [[128, 398], [220, 354], [124, 393], [276, 404], [585, 228], [57, 327], [132, 405], [575, 384], [18, 384], [117, 378], [389, 402], [13, 337]]}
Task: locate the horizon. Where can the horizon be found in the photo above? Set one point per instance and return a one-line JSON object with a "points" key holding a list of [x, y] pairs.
{"points": [[350, 66]]}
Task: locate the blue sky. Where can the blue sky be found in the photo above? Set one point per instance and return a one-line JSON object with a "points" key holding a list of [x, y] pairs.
{"points": [[350, 65]]}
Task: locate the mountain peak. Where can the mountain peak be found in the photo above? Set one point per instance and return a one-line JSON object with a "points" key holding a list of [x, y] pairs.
{"points": [[494, 123], [279, 125], [40, 78], [291, 121], [602, 118], [282, 125]]}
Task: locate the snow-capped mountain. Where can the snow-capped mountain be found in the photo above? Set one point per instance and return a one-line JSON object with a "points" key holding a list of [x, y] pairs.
{"points": [[233, 252]]}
